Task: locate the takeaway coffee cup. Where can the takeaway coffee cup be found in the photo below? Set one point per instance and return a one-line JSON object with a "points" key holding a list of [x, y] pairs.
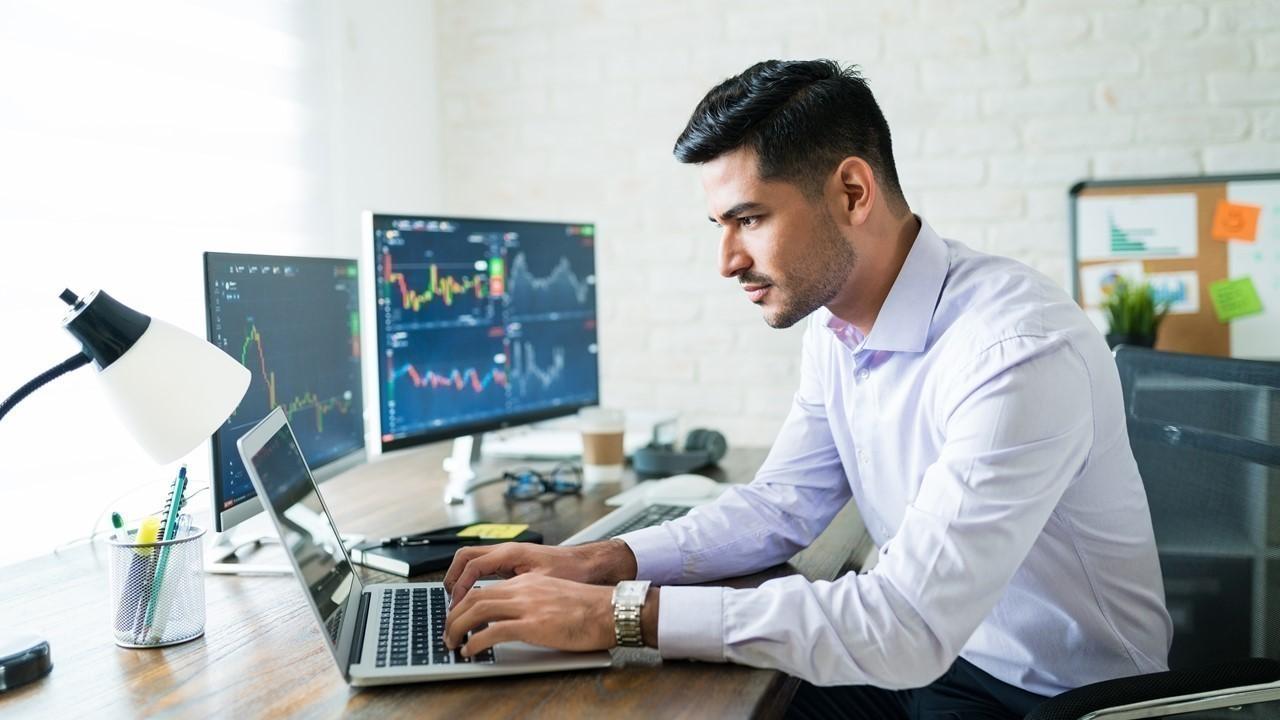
{"points": [[602, 450]]}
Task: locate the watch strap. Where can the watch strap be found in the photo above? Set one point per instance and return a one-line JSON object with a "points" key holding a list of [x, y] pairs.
{"points": [[628, 601]]}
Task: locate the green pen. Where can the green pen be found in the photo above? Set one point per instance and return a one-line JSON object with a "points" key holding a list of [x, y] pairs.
{"points": [[117, 522]]}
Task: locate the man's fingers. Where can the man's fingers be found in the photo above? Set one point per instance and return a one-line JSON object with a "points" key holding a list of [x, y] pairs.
{"points": [[486, 609], [461, 557], [497, 632], [490, 563]]}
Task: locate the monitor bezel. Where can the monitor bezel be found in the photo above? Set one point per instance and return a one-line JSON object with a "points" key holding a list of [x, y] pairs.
{"points": [[225, 519], [369, 320]]}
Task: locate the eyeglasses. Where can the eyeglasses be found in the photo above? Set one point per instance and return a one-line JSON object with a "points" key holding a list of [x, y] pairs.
{"points": [[527, 483]]}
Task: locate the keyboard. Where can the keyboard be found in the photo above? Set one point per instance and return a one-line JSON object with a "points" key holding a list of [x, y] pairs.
{"points": [[411, 630], [648, 517]]}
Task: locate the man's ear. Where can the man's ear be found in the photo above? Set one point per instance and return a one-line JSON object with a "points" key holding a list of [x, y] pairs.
{"points": [[855, 190]]}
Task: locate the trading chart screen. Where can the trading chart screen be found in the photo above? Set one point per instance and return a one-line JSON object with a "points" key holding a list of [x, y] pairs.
{"points": [[295, 324], [481, 323]]}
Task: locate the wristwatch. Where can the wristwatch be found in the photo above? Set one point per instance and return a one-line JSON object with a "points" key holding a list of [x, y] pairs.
{"points": [[628, 598]]}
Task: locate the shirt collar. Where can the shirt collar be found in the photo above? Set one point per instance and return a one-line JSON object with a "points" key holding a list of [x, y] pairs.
{"points": [[903, 322]]}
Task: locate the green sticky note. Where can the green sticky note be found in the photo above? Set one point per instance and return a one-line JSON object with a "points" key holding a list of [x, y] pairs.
{"points": [[1234, 298]]}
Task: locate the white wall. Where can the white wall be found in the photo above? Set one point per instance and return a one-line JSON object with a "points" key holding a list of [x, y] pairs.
{"points": [[136, 135], [569, 110]]}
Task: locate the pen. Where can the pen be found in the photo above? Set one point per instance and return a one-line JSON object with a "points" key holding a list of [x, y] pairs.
{"points": [[168, 532], [409, 541], [117, 522]]}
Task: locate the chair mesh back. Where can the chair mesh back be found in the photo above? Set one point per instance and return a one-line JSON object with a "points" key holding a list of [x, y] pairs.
{"points": [[1205, 432]]}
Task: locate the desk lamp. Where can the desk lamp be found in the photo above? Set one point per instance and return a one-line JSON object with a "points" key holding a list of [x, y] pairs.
{"points": [[169, 388]]}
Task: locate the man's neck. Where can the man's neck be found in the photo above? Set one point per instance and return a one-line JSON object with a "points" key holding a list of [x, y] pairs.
{"points": [[877, 267]]}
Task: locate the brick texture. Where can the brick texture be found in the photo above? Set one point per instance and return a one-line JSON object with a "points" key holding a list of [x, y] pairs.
{"points": [[556, 109]]}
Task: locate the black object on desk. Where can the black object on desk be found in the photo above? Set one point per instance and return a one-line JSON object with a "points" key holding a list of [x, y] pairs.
{"points": [[23, 659], [413, 557]]}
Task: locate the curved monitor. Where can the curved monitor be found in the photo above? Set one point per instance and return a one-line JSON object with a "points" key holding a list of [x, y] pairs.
{"points": [[478, 323], [294, 322]]}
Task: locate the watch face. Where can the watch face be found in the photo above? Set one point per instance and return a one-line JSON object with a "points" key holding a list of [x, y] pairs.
{"points": [[632, 592]]}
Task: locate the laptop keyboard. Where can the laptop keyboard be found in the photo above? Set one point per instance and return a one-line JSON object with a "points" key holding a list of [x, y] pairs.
{"points": [[648, 517], [411, 630]]}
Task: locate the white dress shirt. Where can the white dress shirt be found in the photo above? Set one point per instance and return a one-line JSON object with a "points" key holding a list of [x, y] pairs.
{"points": [[979, 428]]}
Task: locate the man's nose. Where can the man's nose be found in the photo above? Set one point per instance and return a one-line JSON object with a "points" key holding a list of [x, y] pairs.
{"points": [[733, 258]]}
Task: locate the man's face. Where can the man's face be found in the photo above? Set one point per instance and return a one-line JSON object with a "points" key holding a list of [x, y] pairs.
{"points": [[784, 248]]}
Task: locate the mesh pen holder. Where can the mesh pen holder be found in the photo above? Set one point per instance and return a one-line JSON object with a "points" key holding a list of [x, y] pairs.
{"points": [[157, 590]]}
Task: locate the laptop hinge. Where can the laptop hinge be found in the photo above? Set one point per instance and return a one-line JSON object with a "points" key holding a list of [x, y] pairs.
{"points": [[357, 639]]}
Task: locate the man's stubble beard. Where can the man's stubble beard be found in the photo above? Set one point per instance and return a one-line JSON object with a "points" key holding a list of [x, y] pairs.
{"points": [[819, 280]]}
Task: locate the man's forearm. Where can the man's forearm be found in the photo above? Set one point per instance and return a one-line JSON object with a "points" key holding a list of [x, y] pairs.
{"points": [[610, 562]]}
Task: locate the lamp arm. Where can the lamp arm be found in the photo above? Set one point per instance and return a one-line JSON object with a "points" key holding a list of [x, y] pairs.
{"points": [[78, 360]]}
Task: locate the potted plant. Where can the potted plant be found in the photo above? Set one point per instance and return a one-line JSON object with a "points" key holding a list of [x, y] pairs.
{"points": [[1133, 314]]}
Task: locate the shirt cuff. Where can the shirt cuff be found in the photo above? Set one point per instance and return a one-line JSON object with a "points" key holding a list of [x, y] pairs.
{"points": [[691, 623], [658, 557]]}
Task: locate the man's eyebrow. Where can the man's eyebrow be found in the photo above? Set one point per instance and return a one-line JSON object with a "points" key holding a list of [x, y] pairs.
{"points": [[736, 210]]}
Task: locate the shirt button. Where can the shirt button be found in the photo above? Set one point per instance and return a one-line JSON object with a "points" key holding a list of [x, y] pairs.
{"points": [[862, 456], [863, 374]]}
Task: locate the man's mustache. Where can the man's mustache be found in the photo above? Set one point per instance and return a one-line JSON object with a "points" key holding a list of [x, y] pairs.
{"points": [[750, 278]]}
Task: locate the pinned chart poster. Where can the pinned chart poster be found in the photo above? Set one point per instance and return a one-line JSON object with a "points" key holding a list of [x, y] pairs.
{"points": [[1116, 227], [1096, 281], [1181, 290]]}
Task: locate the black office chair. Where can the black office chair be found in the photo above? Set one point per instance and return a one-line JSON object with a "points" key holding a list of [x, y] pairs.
{"points": [[1206, 434]]}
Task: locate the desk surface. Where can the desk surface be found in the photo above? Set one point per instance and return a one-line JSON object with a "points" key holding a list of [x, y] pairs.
{"points": [[262, 653]]}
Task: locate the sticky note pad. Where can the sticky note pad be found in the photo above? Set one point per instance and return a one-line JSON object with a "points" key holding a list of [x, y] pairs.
{"points": [[1234, 298], [492, 531], [1235, 221]]}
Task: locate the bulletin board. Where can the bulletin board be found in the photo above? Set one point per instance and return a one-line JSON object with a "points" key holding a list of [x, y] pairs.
{"points": [[1208, 245]]}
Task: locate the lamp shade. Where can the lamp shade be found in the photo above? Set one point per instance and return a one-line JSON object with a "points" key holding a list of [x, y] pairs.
{"points": [[169, 388]]}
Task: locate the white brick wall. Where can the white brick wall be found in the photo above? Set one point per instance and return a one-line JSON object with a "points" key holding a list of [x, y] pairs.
{"points": [[558, 109]]}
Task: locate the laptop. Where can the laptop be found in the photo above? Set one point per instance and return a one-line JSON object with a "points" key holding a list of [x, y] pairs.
{"points": [[379, 634]]}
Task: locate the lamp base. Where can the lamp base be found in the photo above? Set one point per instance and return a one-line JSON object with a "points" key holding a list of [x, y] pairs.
{"points": [[24, 658]]}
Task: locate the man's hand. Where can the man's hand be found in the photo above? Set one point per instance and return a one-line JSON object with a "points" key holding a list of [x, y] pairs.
{"points": [[609, 562], [537, 609]]}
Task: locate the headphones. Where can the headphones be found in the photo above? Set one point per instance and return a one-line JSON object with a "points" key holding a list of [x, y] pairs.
{"points": [[702, 447]]}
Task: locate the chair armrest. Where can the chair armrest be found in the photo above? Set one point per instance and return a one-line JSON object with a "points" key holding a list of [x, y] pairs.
{"points": [[1074, 704]]}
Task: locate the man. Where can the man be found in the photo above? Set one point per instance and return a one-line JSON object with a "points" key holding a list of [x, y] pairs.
{"points": [[961, 400]]}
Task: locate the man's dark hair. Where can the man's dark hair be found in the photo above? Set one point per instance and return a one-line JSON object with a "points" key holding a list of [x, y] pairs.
{"points": [[802, 118]]}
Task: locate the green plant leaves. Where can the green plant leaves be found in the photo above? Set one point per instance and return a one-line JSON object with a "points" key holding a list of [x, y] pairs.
{"points": [[1132, 310]]}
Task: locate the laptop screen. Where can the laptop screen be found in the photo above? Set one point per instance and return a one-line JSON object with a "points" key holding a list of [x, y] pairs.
{"points": [[307, 531]]}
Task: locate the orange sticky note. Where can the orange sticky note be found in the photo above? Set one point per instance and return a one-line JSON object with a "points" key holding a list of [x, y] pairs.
{"points": [[1235, 221]]}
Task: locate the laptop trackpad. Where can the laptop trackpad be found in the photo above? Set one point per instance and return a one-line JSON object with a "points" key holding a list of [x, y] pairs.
{"points": [[517, 653]]}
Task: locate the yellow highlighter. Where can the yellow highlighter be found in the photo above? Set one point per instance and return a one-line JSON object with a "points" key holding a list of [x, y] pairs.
{"points": [[133, 600], [148, 532]]}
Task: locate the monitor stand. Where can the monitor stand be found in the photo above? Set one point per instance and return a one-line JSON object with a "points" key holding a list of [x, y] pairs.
{"points": [[461, 466], [226, 553]]}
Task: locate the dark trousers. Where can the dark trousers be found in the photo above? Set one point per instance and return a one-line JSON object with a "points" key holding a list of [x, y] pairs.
{"points": [[963, 693]]}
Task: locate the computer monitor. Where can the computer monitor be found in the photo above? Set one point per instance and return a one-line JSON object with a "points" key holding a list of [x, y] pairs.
{"points": [[478, 323], [294, 322]]}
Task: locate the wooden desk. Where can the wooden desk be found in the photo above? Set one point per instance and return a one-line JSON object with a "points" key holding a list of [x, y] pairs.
{"points": [[262, 653]]}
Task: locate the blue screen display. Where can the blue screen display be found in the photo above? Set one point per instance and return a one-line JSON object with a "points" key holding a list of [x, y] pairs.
{"points": [[295, 324], [481, 323]]}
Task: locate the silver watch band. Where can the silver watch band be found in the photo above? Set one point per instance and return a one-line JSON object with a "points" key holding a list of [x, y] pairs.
{"points": [[628, 600]]}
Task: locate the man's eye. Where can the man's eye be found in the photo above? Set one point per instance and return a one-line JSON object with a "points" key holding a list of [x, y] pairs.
{"points": [[748, 221]]}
